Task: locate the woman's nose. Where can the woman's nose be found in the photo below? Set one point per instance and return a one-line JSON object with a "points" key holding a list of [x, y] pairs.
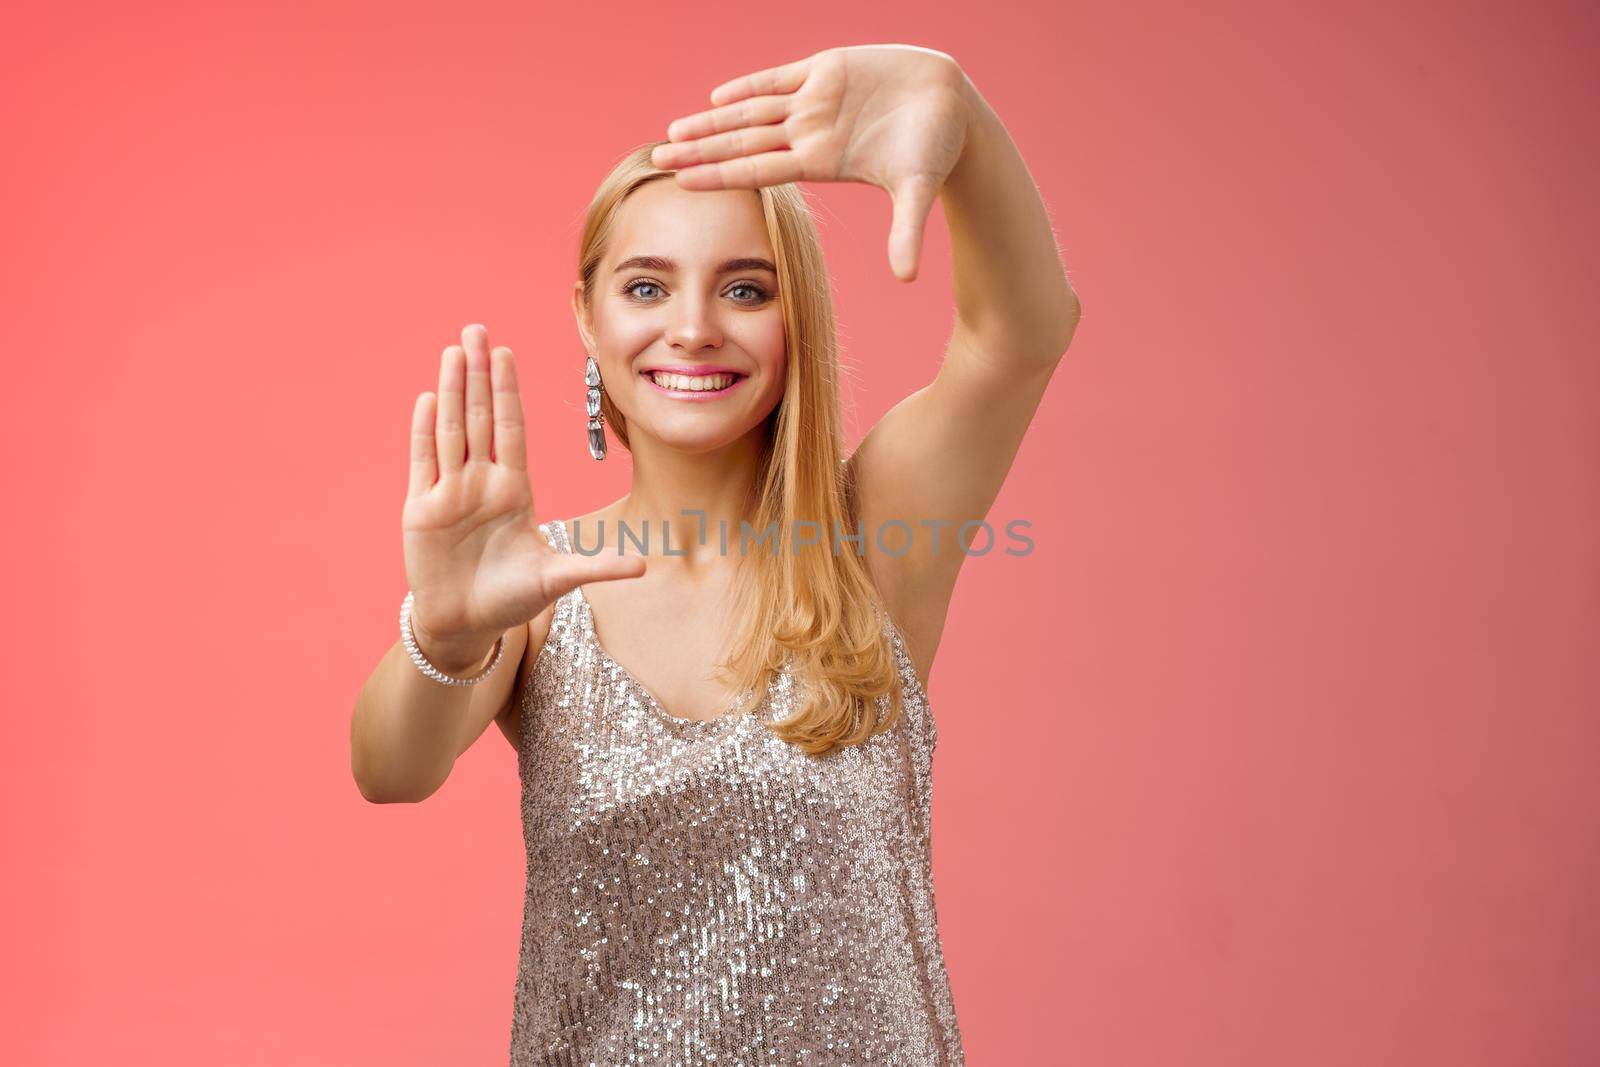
{"points": [[694, 325]]}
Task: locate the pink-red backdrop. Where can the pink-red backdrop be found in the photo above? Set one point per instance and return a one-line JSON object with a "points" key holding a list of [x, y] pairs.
{"points": [[1280, 747]]}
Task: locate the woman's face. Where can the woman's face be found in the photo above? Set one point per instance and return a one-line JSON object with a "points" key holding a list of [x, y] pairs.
{"points": [[687, 287]]}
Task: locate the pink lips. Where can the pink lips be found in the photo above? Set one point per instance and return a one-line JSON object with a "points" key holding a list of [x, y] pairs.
{"points": [[693, 394], [695, 371]]}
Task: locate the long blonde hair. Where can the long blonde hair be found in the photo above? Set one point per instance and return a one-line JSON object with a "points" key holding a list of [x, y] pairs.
{"points": [[815, 608]]}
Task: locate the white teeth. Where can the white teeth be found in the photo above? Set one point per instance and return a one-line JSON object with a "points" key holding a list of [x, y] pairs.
{"points": [[706, 383]]}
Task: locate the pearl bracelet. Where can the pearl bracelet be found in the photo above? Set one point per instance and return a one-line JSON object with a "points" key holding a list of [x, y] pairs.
{"points": [[429, 669]]}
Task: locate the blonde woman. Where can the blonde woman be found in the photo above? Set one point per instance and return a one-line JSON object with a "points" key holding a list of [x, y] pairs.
{"points": [[716, 686]]}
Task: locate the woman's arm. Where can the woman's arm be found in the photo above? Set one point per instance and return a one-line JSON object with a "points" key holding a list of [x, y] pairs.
{"points": [[943, 452], [407, 730], [908, 120], [1011, 291]]}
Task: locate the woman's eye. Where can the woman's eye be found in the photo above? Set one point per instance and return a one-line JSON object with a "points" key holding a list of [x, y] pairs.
{"points": [[756, 293]]}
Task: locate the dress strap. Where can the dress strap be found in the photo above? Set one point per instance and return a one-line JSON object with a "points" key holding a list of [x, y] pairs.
{"points": [[555, 532], [565, 621]]}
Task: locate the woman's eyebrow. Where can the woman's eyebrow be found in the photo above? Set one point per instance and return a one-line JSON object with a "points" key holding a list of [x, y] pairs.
{"points": [[664, 264]]}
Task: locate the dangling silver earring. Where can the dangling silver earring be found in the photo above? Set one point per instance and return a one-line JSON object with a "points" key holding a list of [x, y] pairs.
{"points": [[597, 433]]}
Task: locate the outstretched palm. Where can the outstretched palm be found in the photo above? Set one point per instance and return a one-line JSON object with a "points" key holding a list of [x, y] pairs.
{"points": [[475, 559], [894, 116]]}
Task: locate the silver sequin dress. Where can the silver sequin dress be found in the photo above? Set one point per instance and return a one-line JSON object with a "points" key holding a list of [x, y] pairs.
{"points": [[700, 892]]}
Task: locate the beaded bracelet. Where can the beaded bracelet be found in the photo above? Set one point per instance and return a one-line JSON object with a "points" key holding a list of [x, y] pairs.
{"points": [[422, 661]]}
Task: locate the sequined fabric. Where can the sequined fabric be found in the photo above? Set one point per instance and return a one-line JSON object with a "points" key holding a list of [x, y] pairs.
{"points": [[700, 892]]}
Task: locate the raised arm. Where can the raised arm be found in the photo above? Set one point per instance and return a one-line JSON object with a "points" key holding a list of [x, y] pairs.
{"points": [[944, 451], [908, 120]]}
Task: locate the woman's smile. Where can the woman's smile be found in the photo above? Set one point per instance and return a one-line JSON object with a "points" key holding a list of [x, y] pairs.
{"points": [[699, 385]]}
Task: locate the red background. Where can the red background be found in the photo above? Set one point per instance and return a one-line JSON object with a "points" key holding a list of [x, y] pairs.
{"points": [[1278, 749]]}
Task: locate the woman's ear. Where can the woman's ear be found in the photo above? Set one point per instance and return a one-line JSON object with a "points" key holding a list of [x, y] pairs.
{"points": [[580, 313]]}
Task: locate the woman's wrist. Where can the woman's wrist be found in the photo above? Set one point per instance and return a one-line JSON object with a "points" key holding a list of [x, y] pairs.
{"points": [[461, 657]]}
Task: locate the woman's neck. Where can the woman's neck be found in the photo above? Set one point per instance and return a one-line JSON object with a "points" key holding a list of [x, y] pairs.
{"points": [[692, 495]]}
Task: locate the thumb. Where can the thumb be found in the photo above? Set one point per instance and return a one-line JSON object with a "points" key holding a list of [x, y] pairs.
{"points": [[913, 200], [567, 571]]}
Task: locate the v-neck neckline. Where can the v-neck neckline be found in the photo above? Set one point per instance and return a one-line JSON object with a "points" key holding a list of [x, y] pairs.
{"points": [[628, 677]]}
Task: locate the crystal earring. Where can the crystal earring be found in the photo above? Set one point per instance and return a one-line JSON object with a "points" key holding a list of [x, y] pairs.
{"points": [[597, 433]]}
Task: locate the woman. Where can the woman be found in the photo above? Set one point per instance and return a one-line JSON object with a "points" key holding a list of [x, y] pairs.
{"points": [[728, 865]]}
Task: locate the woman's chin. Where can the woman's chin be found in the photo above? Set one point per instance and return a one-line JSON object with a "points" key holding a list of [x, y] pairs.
{"points": [[693, 435]]}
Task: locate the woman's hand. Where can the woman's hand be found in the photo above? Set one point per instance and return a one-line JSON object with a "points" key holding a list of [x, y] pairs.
{"points": [[475, 559], [894, 116]]}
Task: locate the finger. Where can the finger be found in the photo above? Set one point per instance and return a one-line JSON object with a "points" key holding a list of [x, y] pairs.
{"points": [[510, 435], [913, 200], [732, 145], [479, 414], [567, 571], [757, 111], [784, 79], [449, 431], [746, 172], [424, 465]]}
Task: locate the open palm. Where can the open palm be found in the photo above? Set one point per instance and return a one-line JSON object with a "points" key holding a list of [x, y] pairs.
{"points": [[894, 116], [475, 559]]}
